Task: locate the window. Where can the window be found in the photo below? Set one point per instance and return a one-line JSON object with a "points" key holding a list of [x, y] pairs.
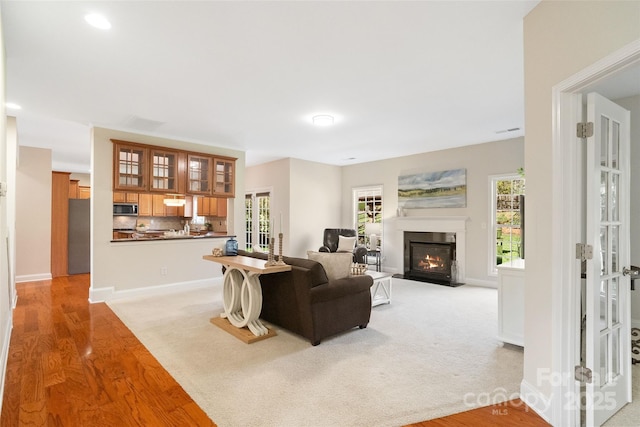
{"points": [[257, 207], [507, 209], [368, 209]]}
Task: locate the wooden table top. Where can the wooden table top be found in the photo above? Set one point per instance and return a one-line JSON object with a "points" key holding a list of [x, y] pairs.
{"points": [[247, 263]]}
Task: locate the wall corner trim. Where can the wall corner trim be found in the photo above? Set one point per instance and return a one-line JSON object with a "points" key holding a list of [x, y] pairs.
{"points": [[4, 357], [536, 400]]}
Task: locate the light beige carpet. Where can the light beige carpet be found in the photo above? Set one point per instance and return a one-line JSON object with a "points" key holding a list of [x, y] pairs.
{"points": [[432, 352], [629, 415]]}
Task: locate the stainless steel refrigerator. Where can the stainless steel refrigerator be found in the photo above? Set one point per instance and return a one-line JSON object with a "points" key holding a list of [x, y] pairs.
{"points": [[79, 236]]}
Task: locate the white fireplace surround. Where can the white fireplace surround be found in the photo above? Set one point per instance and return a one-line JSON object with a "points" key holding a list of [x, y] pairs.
{"points": [[441, 224]]}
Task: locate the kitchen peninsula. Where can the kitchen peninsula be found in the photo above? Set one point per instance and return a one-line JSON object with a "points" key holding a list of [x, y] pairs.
{"points": [[155, 235]]}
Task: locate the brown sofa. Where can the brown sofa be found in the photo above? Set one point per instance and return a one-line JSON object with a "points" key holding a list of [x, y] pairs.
{"points": [[305, 302]]}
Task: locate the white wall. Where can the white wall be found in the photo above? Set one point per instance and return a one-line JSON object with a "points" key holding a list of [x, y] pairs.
{"points": [[273, 177], [6, 212], [33, 214], [309, 196], [120, 267], [315, 204], [633, 105], [561, 38], [480, 162]]}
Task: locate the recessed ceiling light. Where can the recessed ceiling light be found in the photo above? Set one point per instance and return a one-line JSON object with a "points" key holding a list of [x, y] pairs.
{"points": [[98, 21], [12, 106], [322, 120]]}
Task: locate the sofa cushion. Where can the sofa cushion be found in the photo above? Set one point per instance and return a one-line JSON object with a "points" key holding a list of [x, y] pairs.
{"points": [[346, 244], [318, 274], [337, 265]]}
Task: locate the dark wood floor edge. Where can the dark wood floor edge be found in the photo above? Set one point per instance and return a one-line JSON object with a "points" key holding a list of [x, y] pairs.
{"points": [[5, 356]]}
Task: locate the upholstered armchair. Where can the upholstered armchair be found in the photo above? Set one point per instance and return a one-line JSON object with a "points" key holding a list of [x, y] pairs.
{"points": [[343, 240]]}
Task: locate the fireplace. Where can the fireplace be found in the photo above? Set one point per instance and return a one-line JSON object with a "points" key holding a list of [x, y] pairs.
{"points": [[430, 257]]}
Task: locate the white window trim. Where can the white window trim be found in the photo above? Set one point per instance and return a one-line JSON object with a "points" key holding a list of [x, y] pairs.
{"points": [[492, 269], [354, 205], [253, 193]]}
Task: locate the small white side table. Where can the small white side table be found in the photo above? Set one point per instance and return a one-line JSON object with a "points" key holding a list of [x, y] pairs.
{"points": [[381, 289]]}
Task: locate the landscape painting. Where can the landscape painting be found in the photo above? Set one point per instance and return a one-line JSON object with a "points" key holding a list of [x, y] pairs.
{"points": [[443, 189]]}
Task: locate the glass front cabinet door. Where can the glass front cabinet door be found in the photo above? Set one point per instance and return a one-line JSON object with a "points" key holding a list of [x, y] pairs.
{"points": [[130, 167], [164, 171], [199, 174], [223, 177]]}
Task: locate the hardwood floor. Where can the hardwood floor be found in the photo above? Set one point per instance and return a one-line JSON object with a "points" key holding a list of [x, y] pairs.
{"points": [[72, 363]]}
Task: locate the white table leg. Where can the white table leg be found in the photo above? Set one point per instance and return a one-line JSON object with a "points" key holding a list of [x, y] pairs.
{"points": [[242, 300]]}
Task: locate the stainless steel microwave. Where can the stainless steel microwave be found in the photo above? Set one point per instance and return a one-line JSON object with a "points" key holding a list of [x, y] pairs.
{"points": [[127, 209]]}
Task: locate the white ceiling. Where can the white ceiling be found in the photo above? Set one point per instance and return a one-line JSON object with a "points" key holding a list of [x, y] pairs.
{"points": [[400, 77]]}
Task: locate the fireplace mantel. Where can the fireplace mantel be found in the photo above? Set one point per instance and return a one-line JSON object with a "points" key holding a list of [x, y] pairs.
{"points": [[444, 224]]}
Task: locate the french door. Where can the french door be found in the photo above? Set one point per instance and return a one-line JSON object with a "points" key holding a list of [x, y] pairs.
{"points": [[608, 315]]}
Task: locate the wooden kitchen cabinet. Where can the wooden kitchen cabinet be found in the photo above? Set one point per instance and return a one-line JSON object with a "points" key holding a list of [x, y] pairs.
{"points": [[199, 174], [223, 177], [145, 204], [84, 192], [222, 207], [130, 166], [164, 170], [158, 205], [124, 197], [73, 188]]}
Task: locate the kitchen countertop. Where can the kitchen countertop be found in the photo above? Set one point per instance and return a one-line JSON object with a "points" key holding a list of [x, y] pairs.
{"points": [[150, 235]]}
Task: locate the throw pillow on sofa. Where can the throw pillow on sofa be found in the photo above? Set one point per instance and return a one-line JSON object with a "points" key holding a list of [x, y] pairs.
{"points": [[337, 265], [346, 244]]}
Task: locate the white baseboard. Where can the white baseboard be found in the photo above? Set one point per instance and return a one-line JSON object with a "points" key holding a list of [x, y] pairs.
{"points": [[4, 357], [33, 277], [536, 400], [110, 294], [480, 282]]}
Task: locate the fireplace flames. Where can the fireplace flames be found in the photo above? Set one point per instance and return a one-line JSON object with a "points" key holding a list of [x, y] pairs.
{"points": [[431, 262]]}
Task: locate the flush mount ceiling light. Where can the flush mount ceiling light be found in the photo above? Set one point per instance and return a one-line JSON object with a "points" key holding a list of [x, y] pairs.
{"points": [[174, 200], [322, 120], [12, 106], [98, 21]]}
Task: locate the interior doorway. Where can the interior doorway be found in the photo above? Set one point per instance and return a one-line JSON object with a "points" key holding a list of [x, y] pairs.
{"points": [[615, 77]]}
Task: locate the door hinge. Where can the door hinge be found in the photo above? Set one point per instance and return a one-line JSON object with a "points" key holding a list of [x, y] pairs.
{"points": [[584, 130], [583, 374], [584, 252]]}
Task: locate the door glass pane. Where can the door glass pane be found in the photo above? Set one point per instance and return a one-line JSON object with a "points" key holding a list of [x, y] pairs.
{"points": [[615, 144], [604, 362], [615, 315], [615, 353], [604, 147], [615, 181], [604, 196], [603, 304], [615, 234], [604, 256]]}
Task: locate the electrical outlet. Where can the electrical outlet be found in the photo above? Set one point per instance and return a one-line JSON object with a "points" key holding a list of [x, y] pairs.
{"points": [[163, 271]]}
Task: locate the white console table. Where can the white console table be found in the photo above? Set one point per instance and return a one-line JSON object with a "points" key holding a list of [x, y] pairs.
{"points": [[511, 302], [242, 296]]}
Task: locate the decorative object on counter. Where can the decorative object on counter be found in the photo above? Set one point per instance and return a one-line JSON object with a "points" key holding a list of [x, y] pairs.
{"points": [[358, 269], [216, 252], [280, 259], [207, 225], [141, 226], [270, 258], [231, 247]]}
